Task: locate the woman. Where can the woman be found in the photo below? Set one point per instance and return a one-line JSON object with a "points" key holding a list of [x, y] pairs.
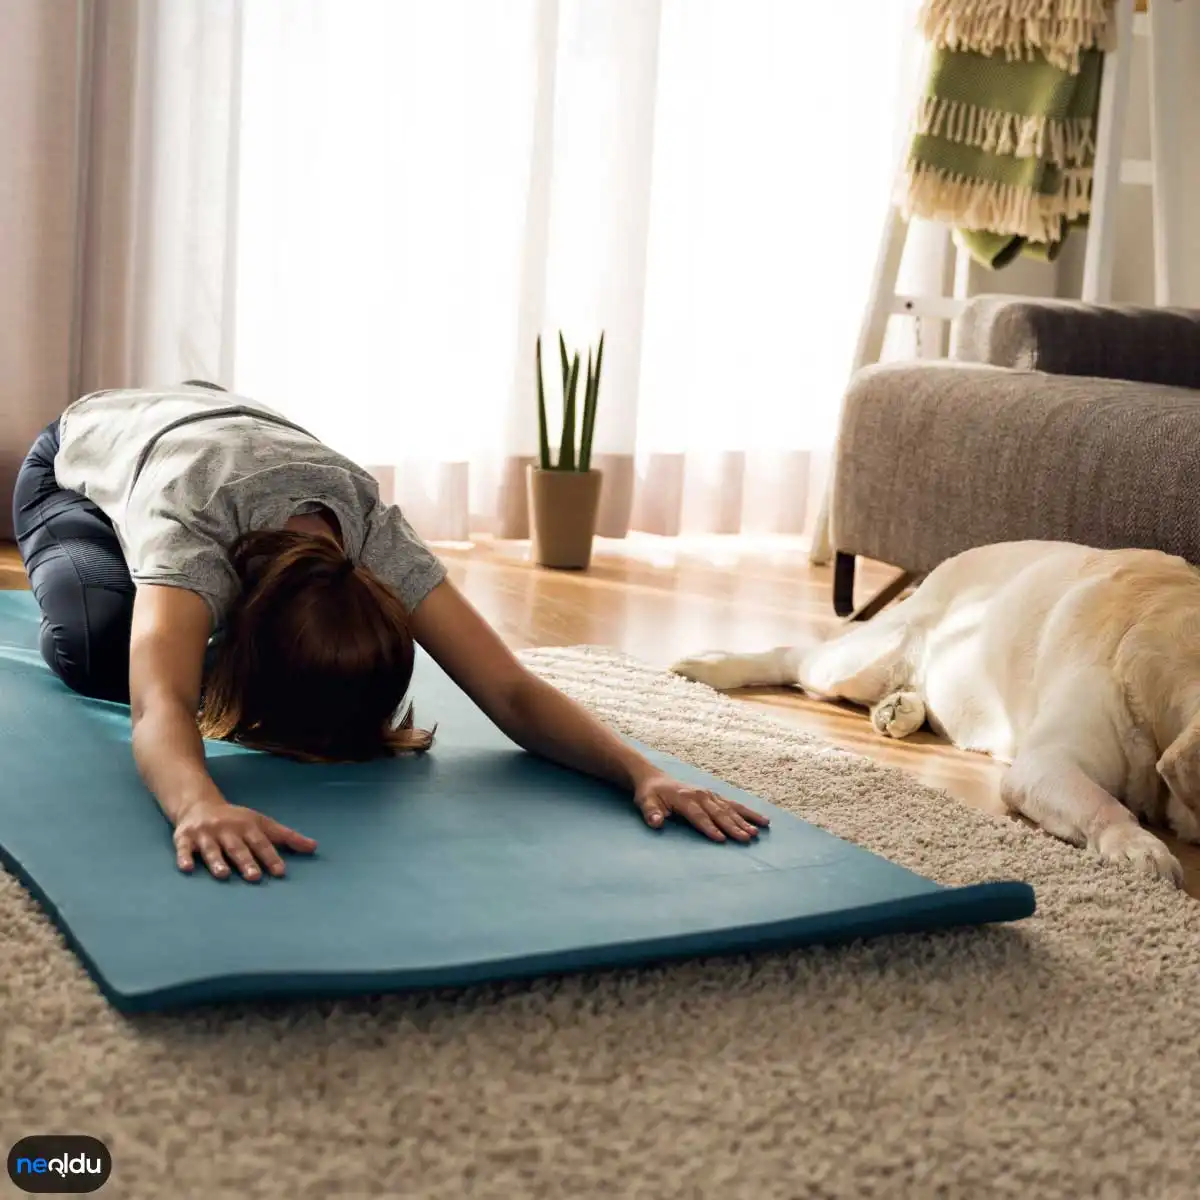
{"points": [[193, 537]]}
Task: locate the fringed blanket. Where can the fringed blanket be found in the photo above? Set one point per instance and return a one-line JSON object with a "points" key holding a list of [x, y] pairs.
{"points": [[1004, 137]]}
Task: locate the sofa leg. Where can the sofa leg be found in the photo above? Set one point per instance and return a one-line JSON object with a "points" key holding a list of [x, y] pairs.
{"points": [[843, 590], [886, 594], [843, 584]]}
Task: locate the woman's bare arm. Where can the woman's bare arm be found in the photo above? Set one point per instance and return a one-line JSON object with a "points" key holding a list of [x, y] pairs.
{"points": [[171, 628], [166, 669], [542, 720]]}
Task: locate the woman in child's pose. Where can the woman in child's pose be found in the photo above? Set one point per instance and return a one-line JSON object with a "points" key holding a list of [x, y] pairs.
{"points": [[201, 557]]}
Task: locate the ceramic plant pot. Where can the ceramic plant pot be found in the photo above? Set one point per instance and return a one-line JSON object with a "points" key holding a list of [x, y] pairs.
{"points": [[562, 517]]}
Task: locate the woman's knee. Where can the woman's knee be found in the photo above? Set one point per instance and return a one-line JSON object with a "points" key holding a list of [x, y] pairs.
{"points": [[86, 597], [91, 654]]}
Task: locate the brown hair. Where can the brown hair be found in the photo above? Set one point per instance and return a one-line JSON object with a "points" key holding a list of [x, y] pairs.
{"points": [[316, 656]]}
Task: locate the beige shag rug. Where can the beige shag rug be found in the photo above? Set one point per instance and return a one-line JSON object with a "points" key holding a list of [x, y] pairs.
{"points": [[1059, 1057]]}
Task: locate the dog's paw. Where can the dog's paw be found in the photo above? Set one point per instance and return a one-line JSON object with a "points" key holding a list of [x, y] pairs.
{"points": [[716, 668], [1138, 846], [898, 715], [1184, 822]]}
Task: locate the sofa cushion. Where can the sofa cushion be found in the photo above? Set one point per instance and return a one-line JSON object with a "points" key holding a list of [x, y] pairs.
{"points": [[936, 458], [1063, 337]]}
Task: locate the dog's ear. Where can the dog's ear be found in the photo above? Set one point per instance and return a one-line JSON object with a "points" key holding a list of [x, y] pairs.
{"points": [[1179, 765]]}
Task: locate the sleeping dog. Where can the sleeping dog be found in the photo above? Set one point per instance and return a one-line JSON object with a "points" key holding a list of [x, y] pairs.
{"points": [[1078, 667]]}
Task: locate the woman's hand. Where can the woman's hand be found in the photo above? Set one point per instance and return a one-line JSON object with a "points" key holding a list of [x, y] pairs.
{"points": [[660, 797], [219, 831]]}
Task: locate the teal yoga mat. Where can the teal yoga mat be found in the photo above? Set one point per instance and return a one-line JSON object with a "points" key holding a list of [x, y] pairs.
{"points": [[476, 862]]}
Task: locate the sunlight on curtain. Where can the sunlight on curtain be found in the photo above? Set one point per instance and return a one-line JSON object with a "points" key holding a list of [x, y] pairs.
{"points": [[385, 155], [424, 186], [774, 153]]}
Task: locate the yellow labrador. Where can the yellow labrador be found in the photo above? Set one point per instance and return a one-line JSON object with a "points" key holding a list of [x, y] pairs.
{"points": [[1079, 667]]}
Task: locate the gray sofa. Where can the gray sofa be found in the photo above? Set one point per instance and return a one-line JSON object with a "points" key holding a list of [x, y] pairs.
{"points": [[1053, 420]]}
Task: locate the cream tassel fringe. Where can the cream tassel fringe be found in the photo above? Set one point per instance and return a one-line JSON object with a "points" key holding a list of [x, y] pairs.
{"points": [[1060, 29], [1066, 142], [1000, 208]]}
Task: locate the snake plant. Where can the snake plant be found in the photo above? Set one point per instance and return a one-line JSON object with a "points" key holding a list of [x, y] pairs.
{"points": [[571, 457]]}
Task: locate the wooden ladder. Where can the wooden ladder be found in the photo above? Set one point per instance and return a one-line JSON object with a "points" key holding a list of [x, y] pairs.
{"points": [[1161, 27]]}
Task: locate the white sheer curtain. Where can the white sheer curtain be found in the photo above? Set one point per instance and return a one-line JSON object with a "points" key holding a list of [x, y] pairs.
{"points": [[424, 187], [365, 211], [775, 150]]}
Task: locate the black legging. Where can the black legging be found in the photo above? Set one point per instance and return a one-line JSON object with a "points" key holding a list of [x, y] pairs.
{"points": [[78, 575]]}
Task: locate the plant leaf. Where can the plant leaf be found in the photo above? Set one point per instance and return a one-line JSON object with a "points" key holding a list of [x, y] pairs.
{"points": [[589, 408], [566, 453], [589, 412], [543, 435], [566, 363], [599, 360]]}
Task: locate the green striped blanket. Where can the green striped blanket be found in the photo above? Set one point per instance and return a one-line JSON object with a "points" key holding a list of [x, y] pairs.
{"points": [[1004, 137]]}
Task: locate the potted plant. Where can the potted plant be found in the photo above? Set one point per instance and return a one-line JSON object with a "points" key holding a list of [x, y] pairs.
{"points": [[564, 496]]}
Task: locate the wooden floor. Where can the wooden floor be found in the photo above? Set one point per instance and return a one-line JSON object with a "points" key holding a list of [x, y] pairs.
{"points": [[660, 599]]}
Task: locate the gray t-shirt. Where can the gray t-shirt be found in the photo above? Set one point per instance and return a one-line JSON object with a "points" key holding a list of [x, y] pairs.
{"points": [[182, 473]]}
